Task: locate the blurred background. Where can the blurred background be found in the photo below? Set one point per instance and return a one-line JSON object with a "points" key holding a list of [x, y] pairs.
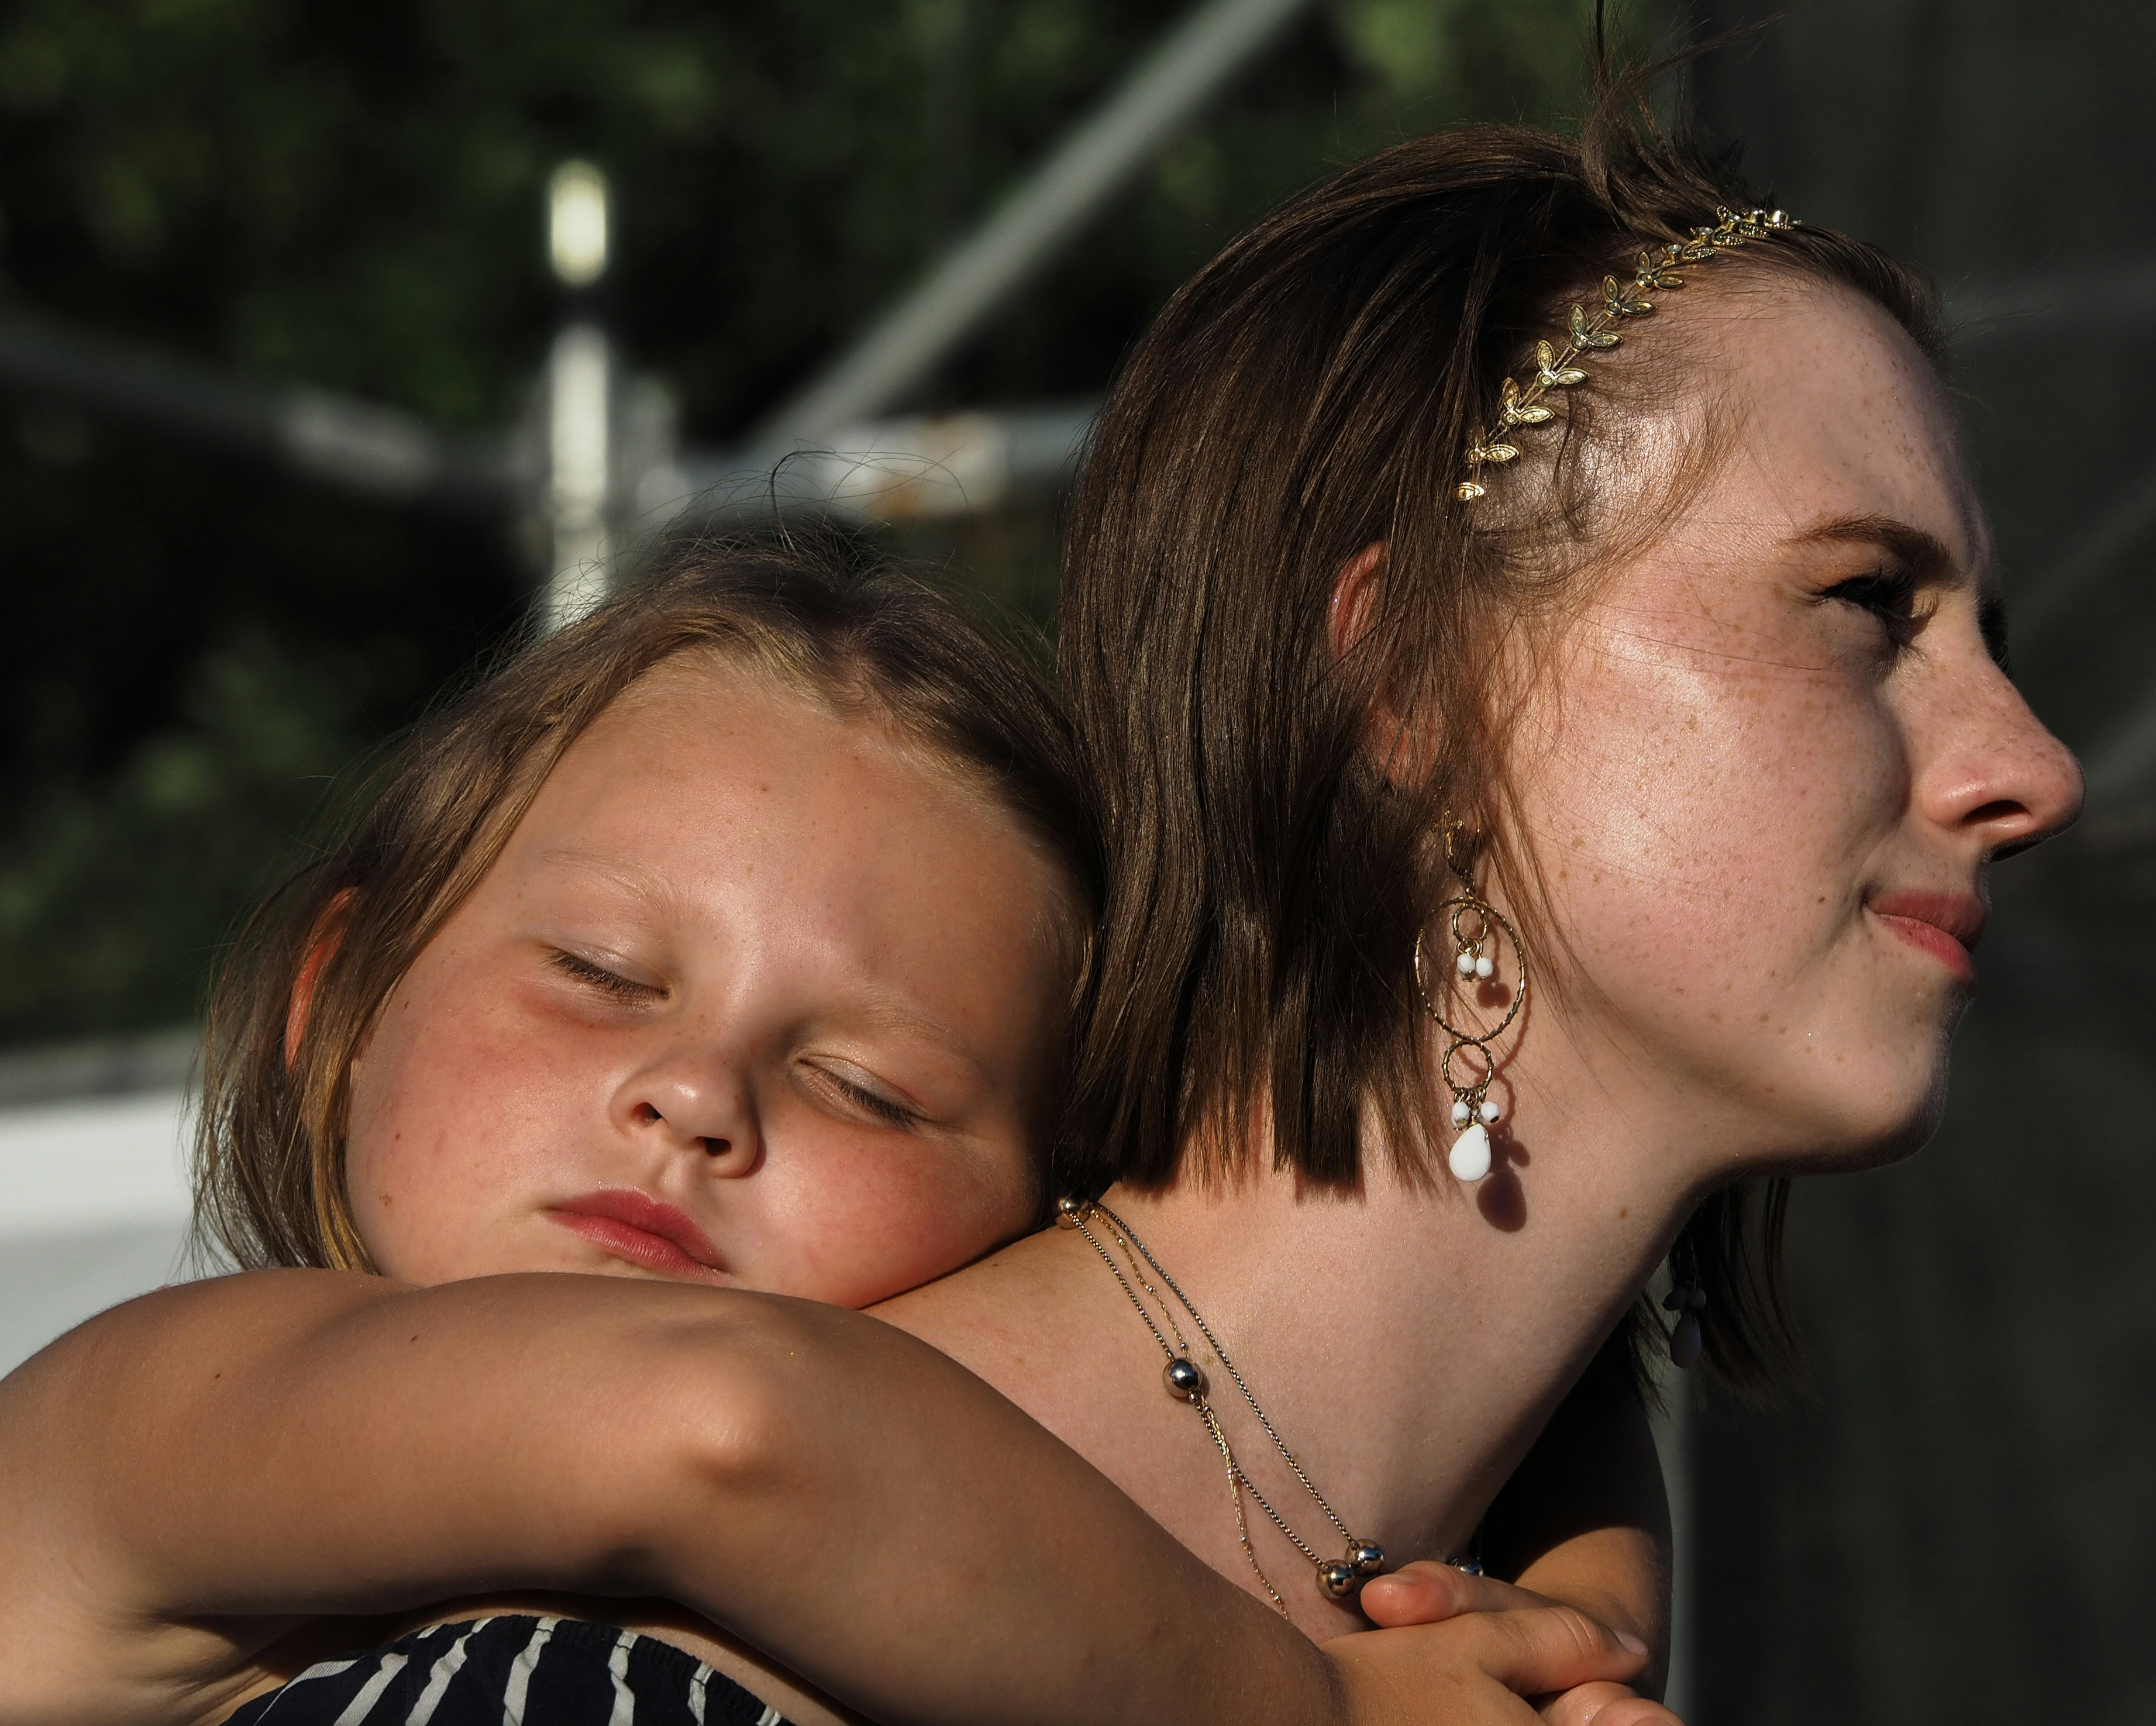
{"points": [[332, 339]]}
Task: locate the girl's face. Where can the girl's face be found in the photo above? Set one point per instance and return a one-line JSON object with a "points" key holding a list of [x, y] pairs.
{"points": [[1778, 751], [753, 996]]}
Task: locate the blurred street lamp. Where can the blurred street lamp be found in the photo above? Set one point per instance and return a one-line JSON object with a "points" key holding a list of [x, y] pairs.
{"points": [[576, 223], [580, 392]]}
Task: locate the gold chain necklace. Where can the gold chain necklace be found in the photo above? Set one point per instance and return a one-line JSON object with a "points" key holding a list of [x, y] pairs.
{"points": [[1186, 1381]]}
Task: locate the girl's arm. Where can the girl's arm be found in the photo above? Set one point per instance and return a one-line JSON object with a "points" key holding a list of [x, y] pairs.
{"points": [[183, 1478]]}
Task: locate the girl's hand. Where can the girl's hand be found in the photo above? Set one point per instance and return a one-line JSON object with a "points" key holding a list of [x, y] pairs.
{"points": [[1426, 1592], [1548, 1646]]}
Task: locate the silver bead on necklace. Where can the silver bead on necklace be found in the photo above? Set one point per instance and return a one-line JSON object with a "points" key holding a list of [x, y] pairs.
{"points": [[1340, 1578]]}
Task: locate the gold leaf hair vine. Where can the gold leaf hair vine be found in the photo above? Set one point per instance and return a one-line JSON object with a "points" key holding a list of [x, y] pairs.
{"points": [[1557, 367]]}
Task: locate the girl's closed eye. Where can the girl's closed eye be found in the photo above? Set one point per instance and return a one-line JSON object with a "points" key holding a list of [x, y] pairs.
{"points": [[859, 1093], [600, 980]]}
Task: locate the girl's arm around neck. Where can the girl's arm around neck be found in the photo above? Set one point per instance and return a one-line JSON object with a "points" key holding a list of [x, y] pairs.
{"points": [[187, 1476]]}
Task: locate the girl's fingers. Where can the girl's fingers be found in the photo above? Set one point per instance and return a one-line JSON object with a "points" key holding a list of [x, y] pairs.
{"points": [[1539, 1651], [1476, 1668], [1427, 1593], [1605, 1704]]}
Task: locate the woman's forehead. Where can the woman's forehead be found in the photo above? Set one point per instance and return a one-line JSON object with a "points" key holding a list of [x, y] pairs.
{"points": [[1837, 415]]}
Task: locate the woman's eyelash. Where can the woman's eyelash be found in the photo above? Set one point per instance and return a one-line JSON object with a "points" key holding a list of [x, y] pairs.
{"points": [[1888, 594], [599, 977]]}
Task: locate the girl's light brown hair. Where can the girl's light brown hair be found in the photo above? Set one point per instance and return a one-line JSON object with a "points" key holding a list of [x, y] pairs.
{"points": [[270, 1177], [1309, 394]]}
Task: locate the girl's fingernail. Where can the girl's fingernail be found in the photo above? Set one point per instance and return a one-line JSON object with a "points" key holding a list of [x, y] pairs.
{"points": [[1632, 1644]]}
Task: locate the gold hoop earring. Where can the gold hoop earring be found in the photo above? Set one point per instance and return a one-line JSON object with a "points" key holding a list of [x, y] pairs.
{"points": [[1475, 925]]}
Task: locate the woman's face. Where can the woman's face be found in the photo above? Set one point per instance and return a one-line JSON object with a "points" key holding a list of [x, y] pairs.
{"points": [[752, 996], [1776, 751]]}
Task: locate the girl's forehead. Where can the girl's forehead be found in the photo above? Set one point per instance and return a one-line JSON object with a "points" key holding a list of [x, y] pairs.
{"points": [[706, 707], [711, 810], [687, 738], [673, 707], [719, 774]]}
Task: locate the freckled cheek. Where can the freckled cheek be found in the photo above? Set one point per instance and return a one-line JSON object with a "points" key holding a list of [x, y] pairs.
{"points": [[453, 1113], [875, 1225], [1712, 848], [414, 1199]]}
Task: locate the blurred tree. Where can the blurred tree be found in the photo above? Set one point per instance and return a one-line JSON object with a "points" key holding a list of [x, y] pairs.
{"points": [[350, 197]]}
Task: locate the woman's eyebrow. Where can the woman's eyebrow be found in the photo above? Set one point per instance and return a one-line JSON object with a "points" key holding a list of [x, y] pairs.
{"points": [[1928, 558], [1923, 553]]}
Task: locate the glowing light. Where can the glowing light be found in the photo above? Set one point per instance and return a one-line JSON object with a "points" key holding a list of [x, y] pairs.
{"points": [[576, 223]]}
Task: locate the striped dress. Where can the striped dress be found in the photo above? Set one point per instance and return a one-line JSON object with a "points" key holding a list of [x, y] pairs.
{"points": [[512, 1671]]}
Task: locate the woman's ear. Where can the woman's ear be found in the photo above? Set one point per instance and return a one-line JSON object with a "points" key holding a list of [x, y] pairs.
{"points": [[1354, 610], [1355, 597], [323, 940]]}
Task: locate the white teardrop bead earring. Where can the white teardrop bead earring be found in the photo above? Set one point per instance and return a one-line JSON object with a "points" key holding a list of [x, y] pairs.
{"points": [[1475, 925]]}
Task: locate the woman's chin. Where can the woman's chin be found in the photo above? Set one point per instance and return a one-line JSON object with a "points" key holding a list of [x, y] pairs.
{"points": [[1904, 1140], [1880, 1136], [1865, 1122]]}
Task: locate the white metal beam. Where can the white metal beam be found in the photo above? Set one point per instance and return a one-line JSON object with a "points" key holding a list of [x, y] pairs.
{"points": [[1044, 213]]}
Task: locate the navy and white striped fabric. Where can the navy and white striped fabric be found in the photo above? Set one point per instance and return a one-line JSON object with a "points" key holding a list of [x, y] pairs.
{"points": [[512, 1671]]}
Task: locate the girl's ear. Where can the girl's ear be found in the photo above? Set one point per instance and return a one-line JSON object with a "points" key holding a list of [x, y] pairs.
{"points": [[323, 940]]}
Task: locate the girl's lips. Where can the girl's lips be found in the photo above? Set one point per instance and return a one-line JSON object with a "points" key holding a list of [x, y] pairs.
{"points": [[1944, 925], [641, 1229]]}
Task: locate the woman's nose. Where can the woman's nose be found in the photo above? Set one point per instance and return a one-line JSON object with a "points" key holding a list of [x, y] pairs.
{"points": [[2011, 783], [697, 1103]]}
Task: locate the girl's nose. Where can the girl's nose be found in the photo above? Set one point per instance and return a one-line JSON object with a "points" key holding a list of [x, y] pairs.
{"points": [[697, 1103]]}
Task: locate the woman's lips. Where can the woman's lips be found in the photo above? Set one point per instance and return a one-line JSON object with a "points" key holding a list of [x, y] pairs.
{"points": [[1945, 925], [641, 1229]]}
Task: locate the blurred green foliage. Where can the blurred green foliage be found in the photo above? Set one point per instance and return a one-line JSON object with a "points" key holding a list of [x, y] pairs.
{"points": [[1958, 1529], [350, 197]]}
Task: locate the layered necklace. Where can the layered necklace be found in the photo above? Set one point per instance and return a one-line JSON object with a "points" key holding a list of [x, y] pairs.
{"points": [[1187, 1382]]}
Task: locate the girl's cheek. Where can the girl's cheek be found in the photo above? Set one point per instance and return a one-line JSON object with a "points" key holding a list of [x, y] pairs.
{"points": [[394, 1204], [420, 1156], [431, 1198], [900, 1223]]}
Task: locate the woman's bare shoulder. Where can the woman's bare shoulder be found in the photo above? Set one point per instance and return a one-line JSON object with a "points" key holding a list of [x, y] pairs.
{"points": [[1005, 1308]]}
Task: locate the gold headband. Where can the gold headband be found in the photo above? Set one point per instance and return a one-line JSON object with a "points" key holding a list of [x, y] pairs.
{"points": [[1555, 368]]}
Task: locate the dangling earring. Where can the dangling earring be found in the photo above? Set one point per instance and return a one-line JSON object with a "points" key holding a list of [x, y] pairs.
{"points": [[1474, 924], [1687, 1299]]}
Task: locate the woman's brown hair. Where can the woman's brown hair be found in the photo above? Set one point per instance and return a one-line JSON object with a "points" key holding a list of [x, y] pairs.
{"points": [[340, 935], [1310, 394]]}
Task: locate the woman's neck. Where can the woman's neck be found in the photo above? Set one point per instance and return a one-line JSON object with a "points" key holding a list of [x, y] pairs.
{"points": [[1408, 1340]]}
